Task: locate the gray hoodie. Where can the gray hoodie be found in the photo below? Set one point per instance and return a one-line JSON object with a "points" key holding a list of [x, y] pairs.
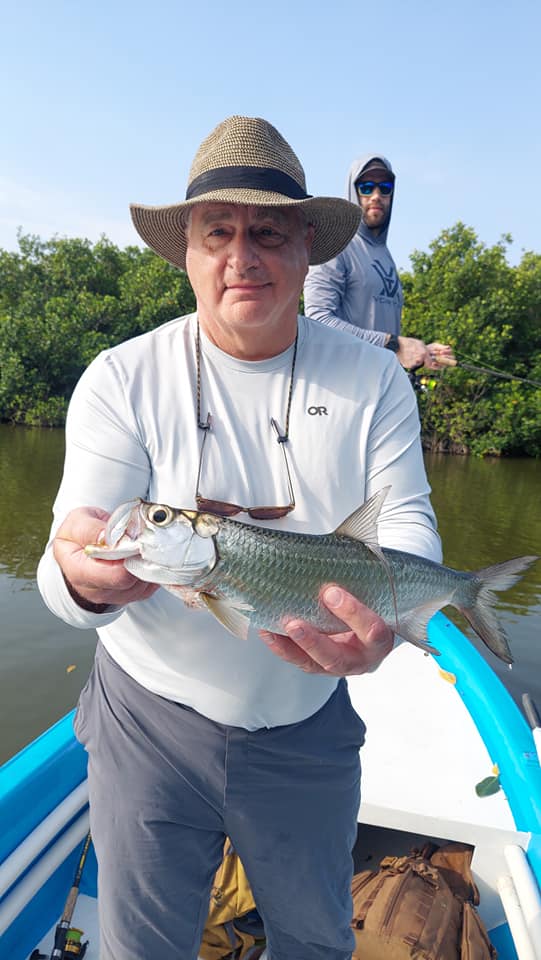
{"points": [[359, 290]]}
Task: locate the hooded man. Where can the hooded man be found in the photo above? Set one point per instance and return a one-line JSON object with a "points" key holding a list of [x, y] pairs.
{"points": [[359, 291]]}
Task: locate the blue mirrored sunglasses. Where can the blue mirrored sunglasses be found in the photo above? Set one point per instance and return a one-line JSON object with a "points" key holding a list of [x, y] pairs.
{"points": [[367, 187]]}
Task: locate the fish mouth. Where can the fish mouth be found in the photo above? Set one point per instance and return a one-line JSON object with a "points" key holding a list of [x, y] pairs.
{"points": [[119, 539], [125, 521]]}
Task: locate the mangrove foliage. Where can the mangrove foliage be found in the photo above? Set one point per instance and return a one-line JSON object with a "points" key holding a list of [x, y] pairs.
{"points": [[64, 300]]}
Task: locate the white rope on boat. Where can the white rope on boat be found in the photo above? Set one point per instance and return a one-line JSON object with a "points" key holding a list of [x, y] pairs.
{"points": [[515, 918], [44, 868], [31, 847], [528, 893]]}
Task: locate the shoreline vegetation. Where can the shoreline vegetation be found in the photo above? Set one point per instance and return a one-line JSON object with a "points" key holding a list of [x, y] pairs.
{"points": [[63, 300]]}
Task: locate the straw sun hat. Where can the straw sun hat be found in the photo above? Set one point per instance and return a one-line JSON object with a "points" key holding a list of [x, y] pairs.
{"points": [[245, 160]]}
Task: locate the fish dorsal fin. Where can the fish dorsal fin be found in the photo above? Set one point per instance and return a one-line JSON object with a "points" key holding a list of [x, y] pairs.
{"points": [[229, 615], [362, 524]]}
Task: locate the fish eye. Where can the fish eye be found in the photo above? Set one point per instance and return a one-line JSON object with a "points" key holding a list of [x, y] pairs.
{"points": [[160, 515]]}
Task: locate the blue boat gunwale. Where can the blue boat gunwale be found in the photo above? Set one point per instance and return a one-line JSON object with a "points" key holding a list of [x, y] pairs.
{"points": [[36, 780], [501, 725], [32, 784]]}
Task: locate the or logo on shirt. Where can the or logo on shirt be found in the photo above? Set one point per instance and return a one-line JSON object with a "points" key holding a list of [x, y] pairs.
{"points": [[318, 411], [389, 279]]}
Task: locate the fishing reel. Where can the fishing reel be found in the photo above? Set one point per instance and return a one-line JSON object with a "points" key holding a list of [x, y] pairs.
{"points": [[416, 381], [420, 384], [72, 947]]}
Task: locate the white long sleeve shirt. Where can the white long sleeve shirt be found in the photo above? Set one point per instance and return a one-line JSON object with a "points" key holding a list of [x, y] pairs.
{"points": [[131, 432]]}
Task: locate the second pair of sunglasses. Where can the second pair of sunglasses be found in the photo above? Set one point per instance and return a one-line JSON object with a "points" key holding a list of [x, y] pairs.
{"points": [[366, 187], [225, 509]]}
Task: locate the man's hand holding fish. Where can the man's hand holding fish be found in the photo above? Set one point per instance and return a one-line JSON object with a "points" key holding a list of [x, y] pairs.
{"points": [[359, 650], [98, 585]]}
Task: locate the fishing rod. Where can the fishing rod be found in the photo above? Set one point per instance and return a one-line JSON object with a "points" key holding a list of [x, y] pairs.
{"points": [[67, 939], [498, 373], [417, 383]]}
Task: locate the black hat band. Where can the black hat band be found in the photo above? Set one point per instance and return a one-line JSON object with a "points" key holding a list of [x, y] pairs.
{"points": [[266, 179]]}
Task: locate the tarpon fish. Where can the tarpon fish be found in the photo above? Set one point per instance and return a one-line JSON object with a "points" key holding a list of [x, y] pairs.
{"points": [[249, 575]]}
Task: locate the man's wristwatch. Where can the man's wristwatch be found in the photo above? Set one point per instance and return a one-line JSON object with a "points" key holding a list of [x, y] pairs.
{"points": [[392, 343]]}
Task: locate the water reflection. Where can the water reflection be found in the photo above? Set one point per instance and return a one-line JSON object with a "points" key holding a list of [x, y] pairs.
{"points": [[37, 651], [30, 468], [489, 511]]}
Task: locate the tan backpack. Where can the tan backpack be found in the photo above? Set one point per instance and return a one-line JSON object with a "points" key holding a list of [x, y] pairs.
{"points": [[231, 899], [417, 907], [420, 907]]}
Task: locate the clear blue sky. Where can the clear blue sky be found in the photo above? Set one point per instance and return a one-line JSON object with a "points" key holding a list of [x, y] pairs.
{"points": [[106, 102]]}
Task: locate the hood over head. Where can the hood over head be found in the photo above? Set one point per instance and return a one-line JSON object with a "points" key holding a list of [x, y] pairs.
{"points": [[365, 164]]}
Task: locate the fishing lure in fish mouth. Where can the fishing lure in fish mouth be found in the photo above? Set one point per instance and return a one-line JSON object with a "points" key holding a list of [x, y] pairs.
{"points": [[260, 576]]}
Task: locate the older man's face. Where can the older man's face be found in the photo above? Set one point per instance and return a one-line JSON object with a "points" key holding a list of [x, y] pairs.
{"points": [[247, 265]]}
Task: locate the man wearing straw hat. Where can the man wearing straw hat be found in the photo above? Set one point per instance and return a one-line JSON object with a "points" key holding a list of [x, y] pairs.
{"points": [[192, 733]]}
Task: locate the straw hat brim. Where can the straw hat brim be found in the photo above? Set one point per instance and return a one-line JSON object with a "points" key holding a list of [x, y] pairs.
{"points": [[335, 221]]}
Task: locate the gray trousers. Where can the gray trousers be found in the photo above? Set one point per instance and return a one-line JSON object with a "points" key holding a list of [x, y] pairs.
{"points": [[166, 786]]}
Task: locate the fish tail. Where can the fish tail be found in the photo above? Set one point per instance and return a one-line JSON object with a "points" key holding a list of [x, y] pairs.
{"points": [[480, 614]]}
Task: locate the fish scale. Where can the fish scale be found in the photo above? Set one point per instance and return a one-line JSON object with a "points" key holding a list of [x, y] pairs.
{"points": [[280, 575]]}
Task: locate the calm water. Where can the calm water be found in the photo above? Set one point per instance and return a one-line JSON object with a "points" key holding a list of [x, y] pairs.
{"points": [[488, 511]]}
